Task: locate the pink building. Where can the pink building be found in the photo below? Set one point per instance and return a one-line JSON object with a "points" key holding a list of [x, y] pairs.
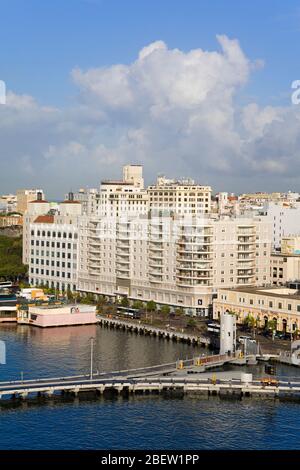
{"points": [[58, 315]]}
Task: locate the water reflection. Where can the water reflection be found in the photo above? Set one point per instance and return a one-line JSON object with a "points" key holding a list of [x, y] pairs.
{"points": [[63, 351]]}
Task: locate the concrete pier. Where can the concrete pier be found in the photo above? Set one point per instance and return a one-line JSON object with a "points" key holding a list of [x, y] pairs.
{"points": [[178, 386], [143, 329]]}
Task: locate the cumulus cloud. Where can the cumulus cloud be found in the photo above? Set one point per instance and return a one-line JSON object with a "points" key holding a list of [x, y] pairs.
{"points": [[173, 111]]}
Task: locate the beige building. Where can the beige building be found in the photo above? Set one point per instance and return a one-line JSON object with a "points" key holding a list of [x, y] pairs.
{"points": [[182, 197], [159, 243], [10, 220], [134, 174], [174, 260], [264, 304], [24, 196], [8, 203], [285, 265]]}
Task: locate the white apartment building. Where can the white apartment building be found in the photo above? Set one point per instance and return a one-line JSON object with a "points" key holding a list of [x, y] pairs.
{"points": [[174, 260], [284, 220], [182, 197], [159, 243], [89, 200], [118, 197], [53, 247], [35, 208]]}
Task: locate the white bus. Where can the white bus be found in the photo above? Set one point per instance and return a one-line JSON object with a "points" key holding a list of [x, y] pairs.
{"points": [[213, 327], [5, 285]]}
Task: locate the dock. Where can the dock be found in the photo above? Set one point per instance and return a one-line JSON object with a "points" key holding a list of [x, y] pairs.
{"points": [[182, 377], [158, 385], [143, 329]]}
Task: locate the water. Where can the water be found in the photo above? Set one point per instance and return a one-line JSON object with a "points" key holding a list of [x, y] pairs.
{"points": [[140, 422]]}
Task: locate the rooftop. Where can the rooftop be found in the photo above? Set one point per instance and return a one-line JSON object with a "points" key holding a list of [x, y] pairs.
{"points": [[40, 201], [44, 219], [278, 292], [116, 182]]}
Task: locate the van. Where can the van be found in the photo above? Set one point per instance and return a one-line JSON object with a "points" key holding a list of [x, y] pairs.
{"points": [[242, 339]]}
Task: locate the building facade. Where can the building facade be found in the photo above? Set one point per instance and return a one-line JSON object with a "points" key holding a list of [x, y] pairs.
{"points": [[161, 243], [279, 305], [183, 197], [53, 247], [25, 196], [174, 260], [285, 265]]}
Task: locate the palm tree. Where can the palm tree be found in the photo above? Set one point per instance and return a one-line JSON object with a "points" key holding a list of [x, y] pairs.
{"points": [[271, 325]]}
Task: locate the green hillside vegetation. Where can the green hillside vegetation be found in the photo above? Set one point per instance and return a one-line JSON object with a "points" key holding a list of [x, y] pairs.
{"points": [[11, 266]]}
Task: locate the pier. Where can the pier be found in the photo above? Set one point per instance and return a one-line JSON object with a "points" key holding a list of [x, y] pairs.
{"points": [[143, 329], [159, 385], [182, 377]]}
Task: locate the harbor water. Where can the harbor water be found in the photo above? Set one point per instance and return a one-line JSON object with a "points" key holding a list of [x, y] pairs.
{"points": [[138, 422]]}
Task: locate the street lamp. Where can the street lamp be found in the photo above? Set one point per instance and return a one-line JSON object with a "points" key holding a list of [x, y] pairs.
{"points": [[92, 354]]}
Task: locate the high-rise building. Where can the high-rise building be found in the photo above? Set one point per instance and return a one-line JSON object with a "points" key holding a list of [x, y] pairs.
{"points": [[171, 259], [53, 246], [160, 243]]}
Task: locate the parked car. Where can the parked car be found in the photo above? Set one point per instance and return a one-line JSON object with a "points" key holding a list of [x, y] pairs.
{"points": [[280, 335]]}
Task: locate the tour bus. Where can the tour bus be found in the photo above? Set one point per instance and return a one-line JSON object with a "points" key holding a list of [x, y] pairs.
{"points": [[129, 312], [213, 327], [5, 285]]}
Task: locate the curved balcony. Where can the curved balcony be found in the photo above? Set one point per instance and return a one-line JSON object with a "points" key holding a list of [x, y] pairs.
{"points": [[153, 262]]}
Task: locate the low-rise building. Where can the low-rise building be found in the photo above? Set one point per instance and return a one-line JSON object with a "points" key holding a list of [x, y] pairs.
{"points": [[57, 315], [280, 305], [285, 265], [11, 220]]}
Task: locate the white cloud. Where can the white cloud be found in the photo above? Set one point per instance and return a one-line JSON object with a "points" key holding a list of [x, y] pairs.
{"points": [[173, 111]]}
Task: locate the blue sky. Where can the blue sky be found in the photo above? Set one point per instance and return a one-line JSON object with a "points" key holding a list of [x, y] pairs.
{"points": [[42, 42]]}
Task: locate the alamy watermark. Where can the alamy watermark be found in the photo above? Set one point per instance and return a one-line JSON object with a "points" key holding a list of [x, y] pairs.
{"points": [[296, 94], [2, 352], [2, 92]]}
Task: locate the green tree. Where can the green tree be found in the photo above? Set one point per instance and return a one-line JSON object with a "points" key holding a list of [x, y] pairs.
{"points": [[125, 302], [88, 299], [165, 310], [191, 322], [11, 266], [70, 295], [179, 311], [250, 322], [101, 304], [137, 304], [151, 306]]}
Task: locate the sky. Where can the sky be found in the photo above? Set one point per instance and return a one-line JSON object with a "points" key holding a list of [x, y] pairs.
{"points": [[193, 88]]}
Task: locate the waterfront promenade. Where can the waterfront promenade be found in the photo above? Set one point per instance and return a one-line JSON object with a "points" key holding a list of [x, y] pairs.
{"points": [[145, 329]]}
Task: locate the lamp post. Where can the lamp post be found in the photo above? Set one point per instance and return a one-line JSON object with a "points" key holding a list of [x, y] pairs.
{"points": [[92, 354]]}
